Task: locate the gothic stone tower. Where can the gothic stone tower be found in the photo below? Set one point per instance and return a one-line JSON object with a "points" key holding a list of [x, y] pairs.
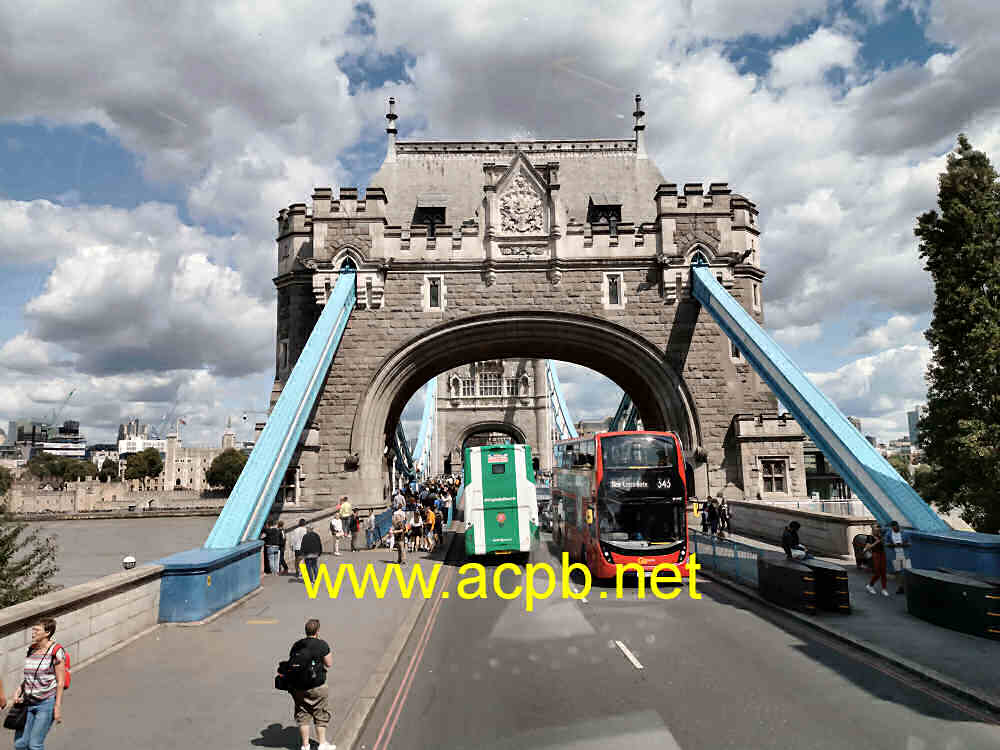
{"points": [[507, 396], [476, 251]]}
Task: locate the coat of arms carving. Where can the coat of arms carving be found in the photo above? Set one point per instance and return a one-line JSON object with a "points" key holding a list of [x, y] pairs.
{"points": [[520, 208]]}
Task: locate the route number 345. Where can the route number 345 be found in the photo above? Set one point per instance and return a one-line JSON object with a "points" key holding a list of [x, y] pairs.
{"points": [[663, 484]]}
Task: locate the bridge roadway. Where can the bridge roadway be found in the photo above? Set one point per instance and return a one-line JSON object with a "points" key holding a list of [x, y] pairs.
{"points": [[717, 672]]}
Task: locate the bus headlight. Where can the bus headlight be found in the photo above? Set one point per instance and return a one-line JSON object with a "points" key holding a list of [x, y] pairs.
{"points": [[607, 555]]}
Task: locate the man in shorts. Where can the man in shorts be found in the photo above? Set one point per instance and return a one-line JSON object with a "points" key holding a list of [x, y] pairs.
{"points": [[311, 704]]}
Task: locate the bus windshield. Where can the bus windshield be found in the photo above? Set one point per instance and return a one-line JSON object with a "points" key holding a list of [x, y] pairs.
{"points": [[643, 522], [637, 451]]}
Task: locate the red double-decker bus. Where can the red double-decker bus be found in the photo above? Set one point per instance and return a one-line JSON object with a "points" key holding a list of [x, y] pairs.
{"points": [[620, 498]]}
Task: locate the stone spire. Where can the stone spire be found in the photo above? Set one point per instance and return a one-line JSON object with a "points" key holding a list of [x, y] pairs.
{"points": [[390, 154], [639, 128]]}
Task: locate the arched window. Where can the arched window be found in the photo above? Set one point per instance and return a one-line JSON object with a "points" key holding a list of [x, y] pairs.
{"points": [[348, 265], [699, 259]]}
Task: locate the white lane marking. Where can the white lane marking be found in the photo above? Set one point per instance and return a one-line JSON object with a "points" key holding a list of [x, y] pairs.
{"points": [[628, 654], [577, 591]]}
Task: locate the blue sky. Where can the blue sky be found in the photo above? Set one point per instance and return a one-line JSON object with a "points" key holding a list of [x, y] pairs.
{"points": [[140, 172]]}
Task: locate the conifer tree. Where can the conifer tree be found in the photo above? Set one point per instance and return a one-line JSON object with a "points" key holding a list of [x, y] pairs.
{"points": [[960, 432]]}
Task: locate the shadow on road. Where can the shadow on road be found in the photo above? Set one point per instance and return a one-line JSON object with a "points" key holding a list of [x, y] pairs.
{"points": [[276, 735]]}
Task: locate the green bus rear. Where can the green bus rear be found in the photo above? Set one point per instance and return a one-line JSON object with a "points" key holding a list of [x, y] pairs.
{"points": [[501, 513]]}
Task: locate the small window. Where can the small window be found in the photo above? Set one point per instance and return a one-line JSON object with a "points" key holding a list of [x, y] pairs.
{"points": [[734, 351], [756, 297], [498, 468], [283, 354], [511, 384], [614, 290], [468, 387], [434, 294], [773, 472]]}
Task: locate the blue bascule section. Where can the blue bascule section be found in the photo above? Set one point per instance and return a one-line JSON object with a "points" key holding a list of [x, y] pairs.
{"points": [[867, 472], [425, 437], [560, 414], [244, 514]]}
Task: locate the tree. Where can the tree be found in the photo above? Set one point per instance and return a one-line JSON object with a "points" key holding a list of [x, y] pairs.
{"points": [[960, 432], [226, 469], [6, 480], [902, 466], [143, 465], [27, 562], [109, 470]]}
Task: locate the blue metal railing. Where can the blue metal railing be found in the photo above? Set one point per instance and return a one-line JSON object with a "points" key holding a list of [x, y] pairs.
{"points": [[731, 559], [249, 503], [869, 475]]}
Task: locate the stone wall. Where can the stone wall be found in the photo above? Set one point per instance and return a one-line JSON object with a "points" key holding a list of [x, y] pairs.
{"points": [[694, 347], [91, 496], [91, 619], [821, 533]]}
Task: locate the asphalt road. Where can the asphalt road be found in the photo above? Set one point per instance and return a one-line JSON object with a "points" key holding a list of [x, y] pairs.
{"points": [[715, 672]]}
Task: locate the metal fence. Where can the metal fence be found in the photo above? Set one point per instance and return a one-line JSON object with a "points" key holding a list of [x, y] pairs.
{"points": [[854, 508], [731, 559]]}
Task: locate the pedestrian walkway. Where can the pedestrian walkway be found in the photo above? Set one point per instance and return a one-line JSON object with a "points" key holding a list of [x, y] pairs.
{"points": [[213, 685], [883, 623]]}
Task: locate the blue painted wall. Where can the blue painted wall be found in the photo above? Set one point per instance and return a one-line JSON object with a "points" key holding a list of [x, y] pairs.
{"points": [[200, 582]]}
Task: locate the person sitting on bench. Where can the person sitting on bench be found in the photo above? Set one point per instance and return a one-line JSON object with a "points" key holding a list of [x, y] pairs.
{"points": [[790, 542]]}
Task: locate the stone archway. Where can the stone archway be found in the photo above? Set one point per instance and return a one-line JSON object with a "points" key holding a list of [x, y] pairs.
{"points": [[622, 355], [512, 431]]}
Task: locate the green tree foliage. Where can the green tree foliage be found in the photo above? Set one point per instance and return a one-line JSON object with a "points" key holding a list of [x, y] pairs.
{"points": [[6, 480], [902, 466], [960, 433], [109, 471], [27, 562], [144, 465], [226, 469], [59, 469]]}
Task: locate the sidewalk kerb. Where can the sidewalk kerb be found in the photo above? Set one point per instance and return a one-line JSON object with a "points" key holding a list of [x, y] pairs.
{"points": [[963, 691], [362, 707], [216, 615]]}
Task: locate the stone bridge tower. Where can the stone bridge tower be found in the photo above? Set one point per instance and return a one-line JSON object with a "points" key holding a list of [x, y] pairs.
{"points": [[474, 251], [508, 396]]}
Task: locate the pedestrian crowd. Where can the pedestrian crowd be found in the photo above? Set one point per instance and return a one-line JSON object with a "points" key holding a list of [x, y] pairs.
{"points": [[715, 516], [418, 513]]}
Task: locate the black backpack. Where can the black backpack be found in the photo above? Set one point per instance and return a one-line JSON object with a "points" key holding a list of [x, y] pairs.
{"points": [[303, 672]]}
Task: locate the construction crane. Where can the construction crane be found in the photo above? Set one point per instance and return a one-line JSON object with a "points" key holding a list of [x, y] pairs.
{"points": [[56, 413]]}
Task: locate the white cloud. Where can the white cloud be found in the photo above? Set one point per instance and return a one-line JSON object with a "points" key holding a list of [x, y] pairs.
{"points": [[878, 388], [809, 60], [897, 331], [798, 335]]}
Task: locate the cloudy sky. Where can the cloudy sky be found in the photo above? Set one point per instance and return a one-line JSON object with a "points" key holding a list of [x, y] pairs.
{"points": [[144, 155]]}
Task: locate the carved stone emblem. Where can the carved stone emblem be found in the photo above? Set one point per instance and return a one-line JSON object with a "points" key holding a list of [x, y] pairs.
{"points": [[520, 207], [526, 250]]}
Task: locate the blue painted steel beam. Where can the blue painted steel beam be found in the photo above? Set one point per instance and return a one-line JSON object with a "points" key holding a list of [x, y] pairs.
{"points": [[869, 475], [251, 499], [566, 428], [620, 418], [425, 436], [404, 459]]}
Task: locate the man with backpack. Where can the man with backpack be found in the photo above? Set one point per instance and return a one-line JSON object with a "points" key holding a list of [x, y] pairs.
{"points": [[305, 677]]}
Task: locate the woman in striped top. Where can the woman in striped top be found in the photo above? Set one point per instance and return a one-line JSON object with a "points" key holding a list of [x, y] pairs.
{"points": [[44, 677]]}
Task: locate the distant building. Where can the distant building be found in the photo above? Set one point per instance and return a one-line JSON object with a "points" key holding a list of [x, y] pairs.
{"points": [[912, 419], [589, 427], [98, 453]]}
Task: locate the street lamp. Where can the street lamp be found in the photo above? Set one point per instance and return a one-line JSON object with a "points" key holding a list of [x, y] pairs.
{"points": [[128, 562]]}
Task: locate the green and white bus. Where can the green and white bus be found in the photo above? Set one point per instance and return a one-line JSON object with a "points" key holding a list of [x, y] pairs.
{"points": [[498, 500]]}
